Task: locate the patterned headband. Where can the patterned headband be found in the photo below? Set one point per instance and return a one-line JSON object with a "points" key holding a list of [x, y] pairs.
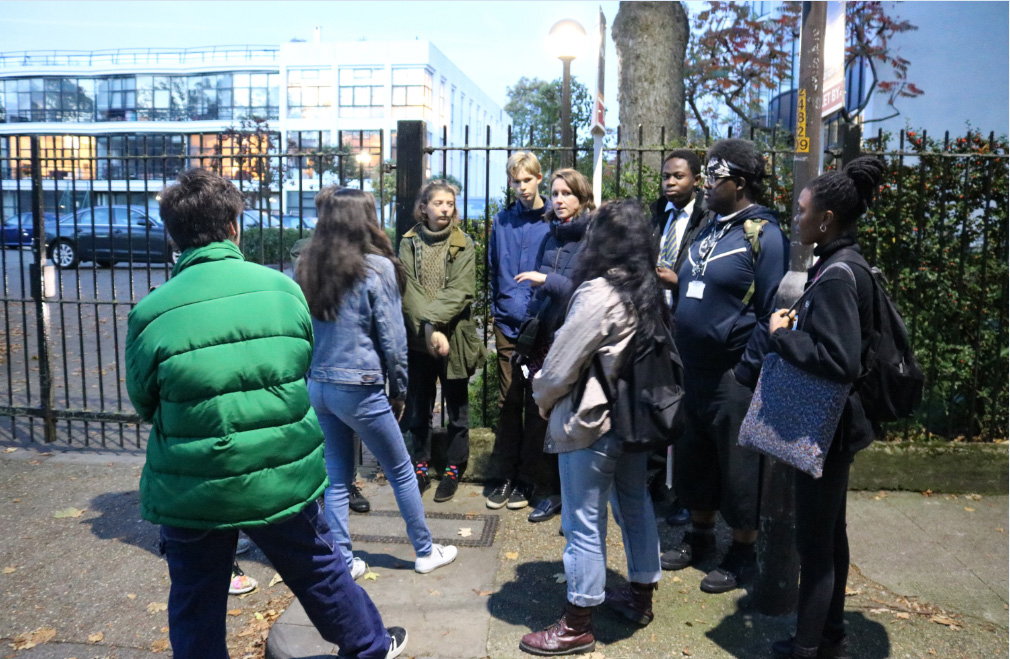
{"points": [[722, 168]]}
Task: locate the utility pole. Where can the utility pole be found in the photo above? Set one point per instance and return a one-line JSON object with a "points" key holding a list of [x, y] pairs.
{"points": [[777, 587]]}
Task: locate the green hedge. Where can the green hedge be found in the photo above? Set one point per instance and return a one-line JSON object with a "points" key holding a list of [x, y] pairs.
{"points": [[264, 245]]}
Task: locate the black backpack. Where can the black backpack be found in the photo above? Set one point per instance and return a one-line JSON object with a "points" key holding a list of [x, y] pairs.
{"points": [[646, 410], [891, 386]]}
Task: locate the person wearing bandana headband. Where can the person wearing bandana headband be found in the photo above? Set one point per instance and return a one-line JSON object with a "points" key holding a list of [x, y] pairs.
{"points": [[727, 288]]}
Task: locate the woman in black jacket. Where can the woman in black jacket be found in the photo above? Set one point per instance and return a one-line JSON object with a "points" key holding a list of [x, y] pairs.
{"points": [[830, 339]]}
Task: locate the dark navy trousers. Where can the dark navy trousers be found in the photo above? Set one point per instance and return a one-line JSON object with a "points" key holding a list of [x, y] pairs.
{"points": [[302, 550]]}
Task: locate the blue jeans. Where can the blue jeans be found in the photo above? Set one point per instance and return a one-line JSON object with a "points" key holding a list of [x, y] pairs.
{"points": [[346, 409], [589, 477], [302, 550]]}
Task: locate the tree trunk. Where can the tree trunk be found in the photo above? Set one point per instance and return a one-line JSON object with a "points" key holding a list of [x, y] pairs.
{"points": [[651, 40]]}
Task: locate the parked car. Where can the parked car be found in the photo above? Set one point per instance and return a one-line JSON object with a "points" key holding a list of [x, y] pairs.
{"points": [[108, 234], [19, 229], [251, 220]]}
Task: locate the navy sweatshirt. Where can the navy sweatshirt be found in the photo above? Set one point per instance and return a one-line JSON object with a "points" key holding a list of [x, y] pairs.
{"points": [[717, 331], [557, 258]]}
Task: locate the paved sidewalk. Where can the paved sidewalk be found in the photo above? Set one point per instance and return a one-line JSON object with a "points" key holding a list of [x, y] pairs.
{"points": [[929, 577]]}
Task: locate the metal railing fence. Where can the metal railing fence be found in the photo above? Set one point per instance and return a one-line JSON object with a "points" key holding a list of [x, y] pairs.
{"points": [[938, 230]]}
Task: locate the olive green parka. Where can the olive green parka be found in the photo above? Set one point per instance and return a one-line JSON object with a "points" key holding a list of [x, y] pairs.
{"points": [[451, 312]]}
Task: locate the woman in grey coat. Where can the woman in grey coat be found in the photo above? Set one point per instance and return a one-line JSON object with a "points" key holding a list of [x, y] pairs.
{"points": [[617, 295]]}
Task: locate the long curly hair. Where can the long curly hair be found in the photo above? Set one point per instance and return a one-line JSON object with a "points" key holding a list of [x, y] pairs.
{"points": [[619, 247], [334, 260]]}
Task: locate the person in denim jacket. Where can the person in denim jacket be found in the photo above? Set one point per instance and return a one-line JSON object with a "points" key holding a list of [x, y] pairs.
{"points": [[349, 276]]}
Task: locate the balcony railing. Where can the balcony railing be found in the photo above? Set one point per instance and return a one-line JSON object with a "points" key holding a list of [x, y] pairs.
{"points": [[140, 56]]}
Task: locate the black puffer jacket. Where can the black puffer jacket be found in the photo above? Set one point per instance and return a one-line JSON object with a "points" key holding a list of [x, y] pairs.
{"points": [[833, 330], [557, 258]]}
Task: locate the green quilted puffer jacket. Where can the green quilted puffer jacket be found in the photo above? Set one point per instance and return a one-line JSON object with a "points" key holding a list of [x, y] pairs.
{"points": [[216, 359]]}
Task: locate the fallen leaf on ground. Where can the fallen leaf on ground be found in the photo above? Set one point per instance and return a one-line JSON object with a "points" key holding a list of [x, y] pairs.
{"points": [[160, 645], [464, 532], [849, 592], [433, 592], [944, 620], [482, 593], [685, 652], [879, 610], [371, 576], [132, 596], [970, 510], [973, 497], [595, 655], [559, 577], [10, 449], [902, 615], [96, 638], [677, 579], [31, 639], [68, 512], [927, 493], [235, 612], [259, 616], [10, 570], [274, 580], [512, 555], [154, 607]]}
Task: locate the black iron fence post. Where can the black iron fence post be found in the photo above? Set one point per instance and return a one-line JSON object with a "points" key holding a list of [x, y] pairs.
{"points": [[409, 173], [39, 272]]}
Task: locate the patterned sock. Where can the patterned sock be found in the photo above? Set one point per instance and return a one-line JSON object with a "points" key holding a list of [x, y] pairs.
{"points": [[452, 471], [422, 468]]}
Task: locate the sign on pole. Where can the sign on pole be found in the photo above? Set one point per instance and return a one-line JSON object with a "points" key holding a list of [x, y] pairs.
{"points": [[598, 127], [834, 58]]}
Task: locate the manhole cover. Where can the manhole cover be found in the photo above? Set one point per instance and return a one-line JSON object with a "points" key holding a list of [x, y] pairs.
{"points": [[378, 525]]}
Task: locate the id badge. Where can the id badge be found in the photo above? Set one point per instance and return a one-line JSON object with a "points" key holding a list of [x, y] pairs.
{"points": [[696, 289], [525, 370]]}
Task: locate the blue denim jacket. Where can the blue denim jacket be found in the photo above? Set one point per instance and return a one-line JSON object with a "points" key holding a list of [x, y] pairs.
{"points": [[367, 343]]}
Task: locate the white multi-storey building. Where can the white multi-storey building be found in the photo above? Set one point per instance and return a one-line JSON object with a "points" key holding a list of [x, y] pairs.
{"points": [[94, 108]]}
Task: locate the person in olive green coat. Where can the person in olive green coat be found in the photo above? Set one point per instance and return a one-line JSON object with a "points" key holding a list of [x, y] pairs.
{"points": [[215, 361], [441, 334]]}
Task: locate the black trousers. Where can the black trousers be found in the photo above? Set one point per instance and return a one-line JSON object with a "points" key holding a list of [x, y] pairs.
{"points": [[423, 372], [823, 547], [711, 470], [518, 453]]}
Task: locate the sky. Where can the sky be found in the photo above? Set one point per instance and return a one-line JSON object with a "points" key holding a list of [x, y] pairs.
{"points": [[511, 35], [960, 54]]}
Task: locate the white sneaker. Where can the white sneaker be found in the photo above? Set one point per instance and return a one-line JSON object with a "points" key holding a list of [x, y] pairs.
{"points": [[358, 568], [439, 556]]}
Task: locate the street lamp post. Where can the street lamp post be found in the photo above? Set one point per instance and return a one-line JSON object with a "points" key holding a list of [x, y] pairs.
{"points": [[363, 158], [565, 40]]}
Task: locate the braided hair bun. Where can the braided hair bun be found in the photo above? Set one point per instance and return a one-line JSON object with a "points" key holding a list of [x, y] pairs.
{"points": [[866, 173], [850, 192]]}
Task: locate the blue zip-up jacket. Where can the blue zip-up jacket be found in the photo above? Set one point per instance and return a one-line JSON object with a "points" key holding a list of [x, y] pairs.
{"points": [[718, 332], [516, 236], [367, 343], [557, 258]]}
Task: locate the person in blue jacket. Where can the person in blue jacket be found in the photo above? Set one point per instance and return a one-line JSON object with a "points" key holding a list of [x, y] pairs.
{"points": [[726, 294], [516, 236], [571, 201]]}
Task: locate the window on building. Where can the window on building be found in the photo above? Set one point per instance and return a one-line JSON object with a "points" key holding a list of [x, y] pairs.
{"points": [[411, 92], [310, 94], [362, 93], [245, 154], [443, 108], [306, 142]]}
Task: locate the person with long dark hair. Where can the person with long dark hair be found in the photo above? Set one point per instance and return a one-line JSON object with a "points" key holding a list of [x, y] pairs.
{"points": [[617, 297], [349, 276], [726, 289], [557, 258], [830, 337]]}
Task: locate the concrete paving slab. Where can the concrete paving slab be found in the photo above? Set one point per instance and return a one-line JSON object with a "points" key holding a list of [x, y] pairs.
{"points": [[948, 550], [445, 611]]}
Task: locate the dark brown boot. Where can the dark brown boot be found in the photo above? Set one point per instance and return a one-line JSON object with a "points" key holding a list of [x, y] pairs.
{"points": [[572, 634], [633, 601]]}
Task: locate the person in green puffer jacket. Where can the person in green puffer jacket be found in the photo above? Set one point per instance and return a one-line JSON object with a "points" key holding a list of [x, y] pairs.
{"points": [[441, 335], [216, 361]]}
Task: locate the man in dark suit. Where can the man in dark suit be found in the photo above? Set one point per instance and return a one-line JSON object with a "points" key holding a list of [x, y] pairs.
{"points": [[677, 217]]}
